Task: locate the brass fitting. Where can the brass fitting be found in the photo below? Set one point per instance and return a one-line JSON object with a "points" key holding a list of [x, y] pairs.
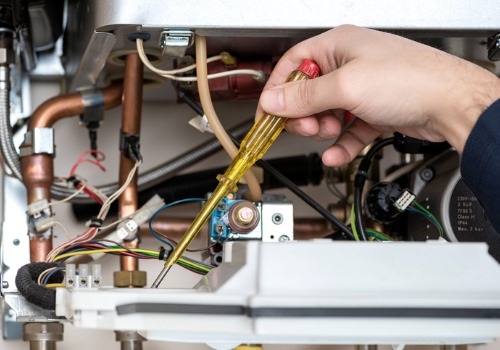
{"points": [[130, 279]]}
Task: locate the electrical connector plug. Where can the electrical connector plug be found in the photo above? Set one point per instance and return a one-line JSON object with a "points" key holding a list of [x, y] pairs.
{"points": [[36, 208], [404, 200], [43, 223]]}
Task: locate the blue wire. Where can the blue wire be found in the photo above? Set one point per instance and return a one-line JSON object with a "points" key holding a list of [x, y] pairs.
{"points": [[427, 216], [46, 280], [166, 206]]}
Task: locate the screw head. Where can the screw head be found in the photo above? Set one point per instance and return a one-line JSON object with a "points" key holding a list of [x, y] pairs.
{"points": [[277, 219], [5, 284], [284, 238], [427, 174]]}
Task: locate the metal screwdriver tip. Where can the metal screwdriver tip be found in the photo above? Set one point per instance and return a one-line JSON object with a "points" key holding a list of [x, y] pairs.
{"points": [[161, 276]]}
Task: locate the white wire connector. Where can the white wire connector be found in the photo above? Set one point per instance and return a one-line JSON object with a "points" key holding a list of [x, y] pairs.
{"points": [[404, 200], [36, 208]]}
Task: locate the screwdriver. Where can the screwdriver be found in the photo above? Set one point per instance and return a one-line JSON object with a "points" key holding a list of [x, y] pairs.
{"points": [[252, 148]]}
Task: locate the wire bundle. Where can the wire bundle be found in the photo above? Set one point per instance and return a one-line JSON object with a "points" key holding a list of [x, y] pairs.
{"points": [[92, 231], [101, 246], [420, 209]]}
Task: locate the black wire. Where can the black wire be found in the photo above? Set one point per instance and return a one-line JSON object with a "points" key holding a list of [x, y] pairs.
{"points": [[359, 183], [279, 176]]}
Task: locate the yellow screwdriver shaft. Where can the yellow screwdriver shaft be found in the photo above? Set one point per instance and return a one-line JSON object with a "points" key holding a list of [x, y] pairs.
{"points": [[252, 148]]}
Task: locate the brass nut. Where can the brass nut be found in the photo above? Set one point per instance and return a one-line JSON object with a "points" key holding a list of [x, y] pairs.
{"points": [[127, 279]]}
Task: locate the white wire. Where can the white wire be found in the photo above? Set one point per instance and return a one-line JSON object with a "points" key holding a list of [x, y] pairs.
{"points": [[67, 199], [258, 75], [107, 204], [102, 215], [147, 62], [170, 74], [64, 229]]}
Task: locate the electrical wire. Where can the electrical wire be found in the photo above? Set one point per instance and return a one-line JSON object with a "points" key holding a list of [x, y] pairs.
{"points": [[91, 232], [51, 273], [63, 228], [55, 285], [166, 206], [378, 235], [213, 119], [170, 74], [359, 183], [69, 198], [427, 214], [90, 249]]}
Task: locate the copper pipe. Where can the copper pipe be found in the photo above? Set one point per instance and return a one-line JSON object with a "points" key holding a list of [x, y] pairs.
{"points": [[38, 169], [304, 228], [131, 125], [59, 107], [38, 176]]}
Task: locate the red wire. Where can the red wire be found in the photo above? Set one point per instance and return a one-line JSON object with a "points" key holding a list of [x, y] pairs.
{"points": [[97, 161]]}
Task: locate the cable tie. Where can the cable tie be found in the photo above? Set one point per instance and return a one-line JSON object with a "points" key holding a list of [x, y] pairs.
{"points": [[74, 181], [163, 254], [95, 222]]}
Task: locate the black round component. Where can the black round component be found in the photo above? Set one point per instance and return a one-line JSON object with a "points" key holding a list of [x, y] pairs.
{"points": [[379, 202], [427, 174]]}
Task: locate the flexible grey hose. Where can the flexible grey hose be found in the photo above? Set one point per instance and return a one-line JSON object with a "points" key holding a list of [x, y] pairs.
{"points": [[162, 172], [7, 146]]}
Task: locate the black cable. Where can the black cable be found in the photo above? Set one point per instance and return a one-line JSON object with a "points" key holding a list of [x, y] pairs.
{"points": [[301, 194], [279, 176], [359, 183]]}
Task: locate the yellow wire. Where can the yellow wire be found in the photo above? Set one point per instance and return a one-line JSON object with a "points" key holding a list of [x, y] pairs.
{"points": [[55, 285], [119, 250]]}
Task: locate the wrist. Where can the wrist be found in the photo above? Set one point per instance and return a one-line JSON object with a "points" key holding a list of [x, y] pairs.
{"points": [[470, 103]]}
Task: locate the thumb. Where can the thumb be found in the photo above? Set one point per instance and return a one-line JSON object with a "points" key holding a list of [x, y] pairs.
{"points": [[304, 98]]}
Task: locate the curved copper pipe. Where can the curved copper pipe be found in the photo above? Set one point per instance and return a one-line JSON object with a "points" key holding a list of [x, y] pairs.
{"points": [[38, 169], [128, 202], [304, 228], [59, 107]]}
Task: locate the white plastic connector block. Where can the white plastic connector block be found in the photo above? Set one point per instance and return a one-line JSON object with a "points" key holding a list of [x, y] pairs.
{"points": [[130, 227], [404, 200], [37, 207], [70, 277], [148, 209], [42, 224], [96, 275], [83, 275]]}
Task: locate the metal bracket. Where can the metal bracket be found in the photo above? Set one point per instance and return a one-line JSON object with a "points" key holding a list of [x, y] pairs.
{"points": [[494, 48], [38, 141], [176, 42], [93, 104]]}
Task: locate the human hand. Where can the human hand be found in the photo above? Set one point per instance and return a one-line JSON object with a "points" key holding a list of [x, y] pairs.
{"points": [[390, 83]]}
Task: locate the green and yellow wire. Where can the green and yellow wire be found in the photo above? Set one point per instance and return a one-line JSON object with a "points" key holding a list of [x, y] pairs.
{"points": [[183, 261]]}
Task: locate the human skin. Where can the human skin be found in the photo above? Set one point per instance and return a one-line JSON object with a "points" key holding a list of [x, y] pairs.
{"points": [[390, 83]]}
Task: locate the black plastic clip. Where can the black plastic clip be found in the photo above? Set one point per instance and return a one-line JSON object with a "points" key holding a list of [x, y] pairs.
{"points": [[95, 222], [130, 146]]}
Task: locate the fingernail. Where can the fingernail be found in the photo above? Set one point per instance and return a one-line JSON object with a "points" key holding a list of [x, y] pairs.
{"points": [[324, 132], [272, 100]]}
